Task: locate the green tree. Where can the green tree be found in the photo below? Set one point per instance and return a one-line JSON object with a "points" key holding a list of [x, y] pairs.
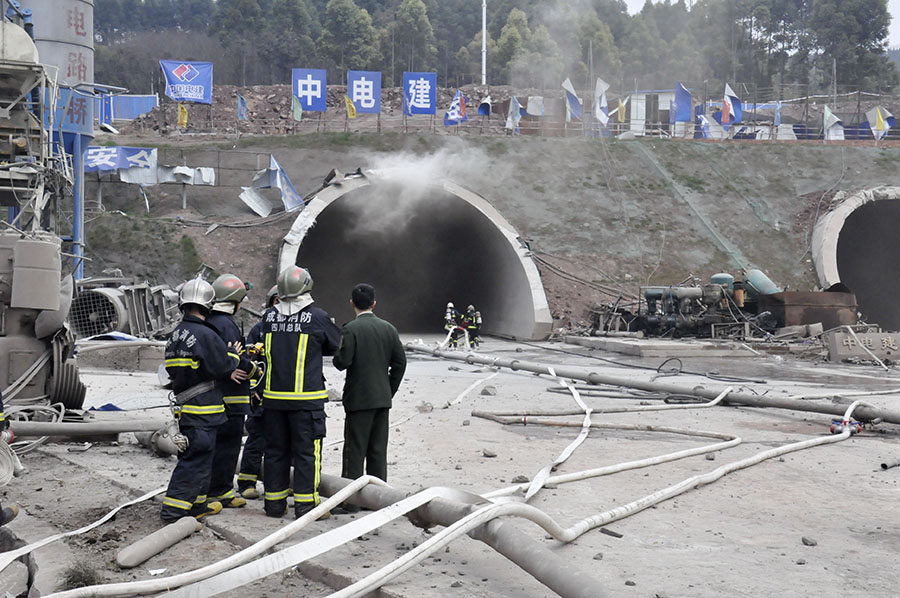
{"points": [[512, 43], [413, 36], [289, 38], [238, 23], [348, 40]]}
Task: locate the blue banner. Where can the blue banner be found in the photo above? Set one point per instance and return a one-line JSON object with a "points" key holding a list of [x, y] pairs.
{"points": [[364, 88], [683, 109], [102, 159], [457, 112], [308, 86], [188, 81], [419, 93]]}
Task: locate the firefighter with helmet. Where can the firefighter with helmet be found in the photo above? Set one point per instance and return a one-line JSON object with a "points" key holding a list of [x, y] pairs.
{"points": [[255, 445], [230, 291], [196, 359], [451, 324], [296, 334], [471, 321]]}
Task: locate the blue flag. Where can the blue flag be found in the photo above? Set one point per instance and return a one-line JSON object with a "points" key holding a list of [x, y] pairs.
{"points": [[777, 114], [683, 109], [573, 104], [457, 112], [242, 108], [188, 81]]}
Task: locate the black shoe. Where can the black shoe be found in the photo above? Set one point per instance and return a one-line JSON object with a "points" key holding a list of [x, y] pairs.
{"points": [[8, 514], [345, 509], [301, 511], [278, 514]]}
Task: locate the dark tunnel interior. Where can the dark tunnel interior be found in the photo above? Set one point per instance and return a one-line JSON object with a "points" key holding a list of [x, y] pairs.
{"points": [[867, 261], [419, 250]]}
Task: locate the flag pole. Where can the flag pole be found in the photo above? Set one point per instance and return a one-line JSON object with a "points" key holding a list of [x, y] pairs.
{"points": [[484, 42]]}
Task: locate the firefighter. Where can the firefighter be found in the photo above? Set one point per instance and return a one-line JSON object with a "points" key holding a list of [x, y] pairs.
{"points": [[296, 336], [230, 291], [471, 321], [451, 323], [196, 359], [251, 461]]}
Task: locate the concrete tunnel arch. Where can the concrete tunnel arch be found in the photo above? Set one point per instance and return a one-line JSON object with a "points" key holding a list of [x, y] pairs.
{"points": [[420, 248], [853, 246]]}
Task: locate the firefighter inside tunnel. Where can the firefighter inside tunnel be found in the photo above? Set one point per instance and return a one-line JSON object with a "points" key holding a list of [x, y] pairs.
{"points": [[420, 248]]}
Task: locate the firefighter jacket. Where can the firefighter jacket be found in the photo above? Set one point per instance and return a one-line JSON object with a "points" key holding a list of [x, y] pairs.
{"points": [[451, 318], [235, 395], [294, 346], [469, 321], [195, 354]]}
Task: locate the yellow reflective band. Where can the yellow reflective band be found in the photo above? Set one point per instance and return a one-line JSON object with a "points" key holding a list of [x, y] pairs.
{"points": [[229, 494], [178, 504], [2, 416], [200, 499], [267, 344], [183, 362], [202, 409], [236, 400], [235, 355], [304, 498], [247, 477], [278, 495], [295, 396], [301, 362], [317, 450]]}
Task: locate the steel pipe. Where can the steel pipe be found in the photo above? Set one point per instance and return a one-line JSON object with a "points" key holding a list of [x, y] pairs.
{"points": [[863, 412], [560, 575], [22, 428]]}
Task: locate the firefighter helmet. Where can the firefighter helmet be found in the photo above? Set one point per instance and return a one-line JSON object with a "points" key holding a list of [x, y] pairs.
{"points": [[470, 308], [450, 305], [271, 296], [293, 282], [229, 287], [197, 292]]}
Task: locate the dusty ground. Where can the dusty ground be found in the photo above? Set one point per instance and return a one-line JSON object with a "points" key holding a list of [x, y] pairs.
{"points": [[740, 536]]}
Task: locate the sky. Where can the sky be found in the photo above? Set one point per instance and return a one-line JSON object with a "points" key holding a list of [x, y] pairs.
{"points": [[893, 8]]}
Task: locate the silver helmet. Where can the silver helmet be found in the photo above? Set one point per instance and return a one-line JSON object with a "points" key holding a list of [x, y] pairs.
{"points": [[198, 292]]}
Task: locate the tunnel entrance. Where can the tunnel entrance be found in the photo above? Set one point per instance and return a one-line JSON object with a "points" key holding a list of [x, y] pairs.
{"points": [[420, 248], [851, 246]]}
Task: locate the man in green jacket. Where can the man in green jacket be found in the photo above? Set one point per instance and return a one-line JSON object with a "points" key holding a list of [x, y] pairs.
{"points": [[373, 356]]}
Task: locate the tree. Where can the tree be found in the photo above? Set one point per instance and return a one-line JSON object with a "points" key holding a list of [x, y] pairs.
{"points": [[348, 39], [238, 23], [851, 32], [288, 37], [513, 37], [413, 36]]}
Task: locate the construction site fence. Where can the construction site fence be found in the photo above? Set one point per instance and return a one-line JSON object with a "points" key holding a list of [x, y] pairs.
{"points": [[495, 125]]}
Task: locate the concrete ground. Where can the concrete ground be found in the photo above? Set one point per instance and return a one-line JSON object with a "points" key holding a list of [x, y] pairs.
{"points": [[816, 522]]}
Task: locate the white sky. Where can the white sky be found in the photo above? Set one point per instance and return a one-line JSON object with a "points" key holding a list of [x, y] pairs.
{"points": [[893, 8]]}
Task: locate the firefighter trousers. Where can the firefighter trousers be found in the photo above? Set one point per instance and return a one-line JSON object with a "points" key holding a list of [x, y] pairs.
{"points": [[254, 446], [225, 457], [293, 438], [186, 494]]}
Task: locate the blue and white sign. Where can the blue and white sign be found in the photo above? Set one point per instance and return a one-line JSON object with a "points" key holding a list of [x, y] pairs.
{"points": [[364, 88], [419, 93], [309, 87], [102, 159], [73, 113], [188, 81]]}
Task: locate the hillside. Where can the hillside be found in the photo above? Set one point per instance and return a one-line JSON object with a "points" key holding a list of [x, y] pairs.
{"points": [[621, 213]]}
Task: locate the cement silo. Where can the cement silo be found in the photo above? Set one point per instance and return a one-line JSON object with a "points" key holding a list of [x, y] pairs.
{"points": [[64, 35]]}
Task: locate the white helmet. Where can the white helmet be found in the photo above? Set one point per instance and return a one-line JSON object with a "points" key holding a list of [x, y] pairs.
{"points": [[198, 292], [449, 305]]}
